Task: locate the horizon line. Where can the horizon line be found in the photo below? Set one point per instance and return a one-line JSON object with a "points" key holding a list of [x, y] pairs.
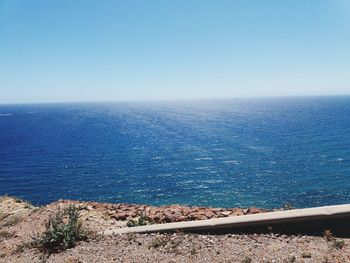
{"points": [[171, 100]]}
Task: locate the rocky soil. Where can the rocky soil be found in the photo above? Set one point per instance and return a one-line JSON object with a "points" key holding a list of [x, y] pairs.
{"points": [[19, 221]]}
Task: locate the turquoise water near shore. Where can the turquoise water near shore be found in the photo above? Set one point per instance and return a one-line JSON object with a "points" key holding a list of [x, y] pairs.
{"points": [[225, 153]]}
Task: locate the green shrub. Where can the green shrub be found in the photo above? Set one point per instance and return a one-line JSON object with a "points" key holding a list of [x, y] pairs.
{"points": [[288, 206], [338, 244], [143, 220], [63, 230]]}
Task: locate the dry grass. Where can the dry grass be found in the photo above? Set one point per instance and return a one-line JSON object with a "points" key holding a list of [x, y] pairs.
{"points": [[338, 244], [21, 247], [3, 216], [6, 234], [306, 255], [11, 221], [247, 260]]}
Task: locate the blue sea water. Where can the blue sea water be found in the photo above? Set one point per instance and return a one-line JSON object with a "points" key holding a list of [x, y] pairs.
{"points": [[224, 153]]}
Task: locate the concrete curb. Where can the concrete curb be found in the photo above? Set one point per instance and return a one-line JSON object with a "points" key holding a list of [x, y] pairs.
{"points": [[270, 218]]}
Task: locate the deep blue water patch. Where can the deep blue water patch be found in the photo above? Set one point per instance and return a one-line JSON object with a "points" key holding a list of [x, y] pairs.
{"points": [[242, 152]]}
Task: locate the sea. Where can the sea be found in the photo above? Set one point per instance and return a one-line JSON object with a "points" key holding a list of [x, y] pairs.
{"points": [[262, 152]]}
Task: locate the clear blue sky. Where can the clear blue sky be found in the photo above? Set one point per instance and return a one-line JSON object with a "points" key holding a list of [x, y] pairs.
{"points": [[84, 50]]}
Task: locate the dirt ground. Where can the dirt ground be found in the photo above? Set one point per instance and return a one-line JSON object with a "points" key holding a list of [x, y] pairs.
{"points": [[19, 221]]}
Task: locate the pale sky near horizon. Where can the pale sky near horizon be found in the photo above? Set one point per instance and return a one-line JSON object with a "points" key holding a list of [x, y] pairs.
{"points": [[63, 50]]}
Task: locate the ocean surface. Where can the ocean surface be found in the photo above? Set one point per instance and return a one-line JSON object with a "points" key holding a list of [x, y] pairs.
{"points": [[222, 153]]}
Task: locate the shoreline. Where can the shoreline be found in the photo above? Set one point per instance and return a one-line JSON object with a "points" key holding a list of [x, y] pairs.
{"points": [[164, 213], [157, 214]]}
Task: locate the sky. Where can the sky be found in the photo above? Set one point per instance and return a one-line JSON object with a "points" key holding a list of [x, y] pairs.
{"points": [[83, 50]]}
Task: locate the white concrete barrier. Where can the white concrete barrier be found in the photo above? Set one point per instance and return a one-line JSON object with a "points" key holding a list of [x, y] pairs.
{"points": [[289, 216]]}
